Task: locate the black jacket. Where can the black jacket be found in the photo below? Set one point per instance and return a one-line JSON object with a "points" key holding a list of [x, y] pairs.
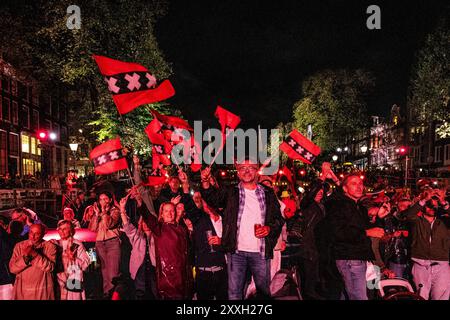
{"points": [[228, 198], [166, 195], [312, 214], [349, 222], [7, 244], [203, 256], [421, 248]]}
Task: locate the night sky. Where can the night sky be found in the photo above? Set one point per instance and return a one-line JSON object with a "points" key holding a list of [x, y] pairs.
{"points": [[251, 56]]}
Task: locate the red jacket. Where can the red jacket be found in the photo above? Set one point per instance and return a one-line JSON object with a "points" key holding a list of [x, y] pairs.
{"points": [[173, 270]]}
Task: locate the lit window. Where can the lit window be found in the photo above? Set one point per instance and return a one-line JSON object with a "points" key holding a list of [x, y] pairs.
{"points": [[38, 150], [25, 143], [33, 145]]}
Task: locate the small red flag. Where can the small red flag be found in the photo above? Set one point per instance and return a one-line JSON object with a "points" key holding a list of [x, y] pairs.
{"points": [[153, 131], [287, 173], [159, 156], [108, 157], [157, 176], [172, 121], [191, 152], [226, 118], [131, 84], [298, 147]]}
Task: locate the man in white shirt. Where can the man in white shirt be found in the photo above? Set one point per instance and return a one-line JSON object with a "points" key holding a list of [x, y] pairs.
{"points": [[251, 226]]}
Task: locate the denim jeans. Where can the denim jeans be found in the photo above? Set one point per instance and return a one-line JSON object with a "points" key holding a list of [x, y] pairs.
{"points": [[109, 255], [354, 275], [238, 265], [434, 278]]}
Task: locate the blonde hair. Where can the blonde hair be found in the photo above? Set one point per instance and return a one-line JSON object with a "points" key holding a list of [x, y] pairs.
{"points": [[161, 207]]}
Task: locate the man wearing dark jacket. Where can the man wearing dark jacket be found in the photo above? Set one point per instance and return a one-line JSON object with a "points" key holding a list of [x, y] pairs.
{"points": [[430, 246], [350, 236], [251, 226], [211, 267], [312, 211]]}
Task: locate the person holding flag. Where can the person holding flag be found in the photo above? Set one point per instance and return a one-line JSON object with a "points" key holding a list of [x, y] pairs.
{"points": [[251, 226]]}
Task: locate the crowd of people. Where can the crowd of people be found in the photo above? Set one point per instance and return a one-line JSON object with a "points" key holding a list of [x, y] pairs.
{"points": [[228, 242]]}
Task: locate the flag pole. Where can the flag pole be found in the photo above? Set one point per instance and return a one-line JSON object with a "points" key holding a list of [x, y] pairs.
{"points": [[128, 167], [220, 149]]}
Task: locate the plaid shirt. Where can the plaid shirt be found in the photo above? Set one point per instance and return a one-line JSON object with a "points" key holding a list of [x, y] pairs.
{"points": [[262, 206]]}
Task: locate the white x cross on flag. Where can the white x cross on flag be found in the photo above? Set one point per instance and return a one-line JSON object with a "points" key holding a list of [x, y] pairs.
{"points": [[291, 142], [112, 84], [102, 159], [300, 150], [114, 155], [151, 80], [133, 81], [308, 156]]}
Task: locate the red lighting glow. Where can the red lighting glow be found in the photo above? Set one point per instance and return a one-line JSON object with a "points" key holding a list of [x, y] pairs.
{"points": [[42, 135]]}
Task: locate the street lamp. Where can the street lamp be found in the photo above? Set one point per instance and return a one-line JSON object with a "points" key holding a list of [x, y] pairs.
{"points": [[364, 150], [346, 149], [339, 150], [74, 148], [335, 157], [52, 136]]}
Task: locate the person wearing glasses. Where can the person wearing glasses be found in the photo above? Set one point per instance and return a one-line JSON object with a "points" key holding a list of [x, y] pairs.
{"points": [[251, 226]]}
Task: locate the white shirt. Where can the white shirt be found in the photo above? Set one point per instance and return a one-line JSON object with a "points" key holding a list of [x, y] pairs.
{"points": [[217, 226], [247, 241]]}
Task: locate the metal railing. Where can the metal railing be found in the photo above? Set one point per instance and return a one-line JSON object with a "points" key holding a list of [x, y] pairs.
{"points": [[47, 203]]}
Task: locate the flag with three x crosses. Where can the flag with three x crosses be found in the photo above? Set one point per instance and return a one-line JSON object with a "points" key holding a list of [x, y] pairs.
{"points": [[298, 147], [131, 84], [108, 157]]}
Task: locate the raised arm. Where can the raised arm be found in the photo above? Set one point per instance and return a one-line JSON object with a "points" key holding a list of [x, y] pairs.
{"points": [[213, 195]]}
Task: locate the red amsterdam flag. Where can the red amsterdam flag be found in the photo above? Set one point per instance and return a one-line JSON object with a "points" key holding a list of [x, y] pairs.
{"points": [[131, 84], [153, 131], [172, 121], [227, 119], [192, 152], [297, 147], [108, 157], [157, 176], [287, 173]]}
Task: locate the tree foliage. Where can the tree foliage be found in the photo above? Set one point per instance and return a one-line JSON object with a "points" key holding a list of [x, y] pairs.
{"points": [[429, 90], [39, 42], [334, 103]]}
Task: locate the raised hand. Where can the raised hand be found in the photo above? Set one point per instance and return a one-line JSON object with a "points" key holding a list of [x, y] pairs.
{"points": [[176, 200], [135, 160], [205, 174], [189, 224], [123, 202], [182, 176], [96, 209], [384, 210]]}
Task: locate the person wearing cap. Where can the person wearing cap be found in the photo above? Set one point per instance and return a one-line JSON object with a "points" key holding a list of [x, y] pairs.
{"points": [[430, 245], [251, 226]]}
